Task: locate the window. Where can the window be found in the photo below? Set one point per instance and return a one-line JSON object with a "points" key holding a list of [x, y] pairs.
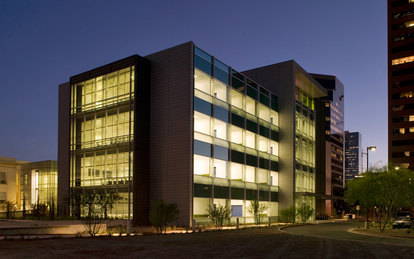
{"points": [[3, 178], [2, 197], [202, 123], [250, 105], [236, 99], [201, 165], [403, 60], [220, 168], [202, 82], [236, 171]]}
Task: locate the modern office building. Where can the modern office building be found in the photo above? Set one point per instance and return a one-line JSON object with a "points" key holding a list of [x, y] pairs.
{"points": [[401, 83], [330, 147], [38, 184], [182, 126], [353, 155], [9, 181], [297, 91]]}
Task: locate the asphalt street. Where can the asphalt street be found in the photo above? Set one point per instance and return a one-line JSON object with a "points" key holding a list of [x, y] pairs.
{"points": [[339, 231]]}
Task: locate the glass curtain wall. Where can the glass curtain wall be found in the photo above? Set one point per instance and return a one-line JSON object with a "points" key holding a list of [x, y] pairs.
{"points": [[102, 126], [304, 148], [235, 141], [38, 184]]}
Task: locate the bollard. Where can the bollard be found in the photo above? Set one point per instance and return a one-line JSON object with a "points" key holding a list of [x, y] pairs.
{"points": [[366, 224], [194, 225], [269, 221], [237, 223]]}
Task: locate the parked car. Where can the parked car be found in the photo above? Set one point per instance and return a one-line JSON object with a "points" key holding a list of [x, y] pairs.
{"points": [[402, 222]]}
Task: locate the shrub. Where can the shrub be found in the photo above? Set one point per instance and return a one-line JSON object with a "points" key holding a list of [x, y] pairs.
{"points": [[219, 214], [257, 210], [288, 215], [163, 215], [305, 212]]}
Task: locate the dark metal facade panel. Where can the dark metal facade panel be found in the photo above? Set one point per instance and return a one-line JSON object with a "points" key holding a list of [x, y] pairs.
{"points": [[171, 127], [63, 149], [141, 142]]}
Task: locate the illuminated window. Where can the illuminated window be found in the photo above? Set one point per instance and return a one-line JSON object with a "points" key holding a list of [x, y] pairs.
{"points": [[202, 81], [402, 130], [262, 176], [250, 139], [406, 95], [274, 178], [274, 117], [407, 153], [3, 178], [264, 112], [236, 99], [250, 174], [274, 148], [220, 90], [411, 129], [250, 105], [220, 129], [327, 105], [403, 60], [220, 168], [236, 134], [201, 165], [202, 123], [237, 171], [411, 118], [263, 144]]}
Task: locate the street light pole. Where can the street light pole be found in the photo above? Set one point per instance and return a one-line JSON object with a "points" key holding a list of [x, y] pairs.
{"points": [[373, 148]]}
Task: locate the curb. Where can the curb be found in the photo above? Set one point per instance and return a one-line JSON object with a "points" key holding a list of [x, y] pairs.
{"points": [[352, 230]]}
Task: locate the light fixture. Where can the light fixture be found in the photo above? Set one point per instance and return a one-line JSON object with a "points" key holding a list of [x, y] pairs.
{"points": [[373, 148]]}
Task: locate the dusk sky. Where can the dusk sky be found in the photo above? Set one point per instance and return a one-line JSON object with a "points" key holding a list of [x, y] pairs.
{"points": [[43, 43]]}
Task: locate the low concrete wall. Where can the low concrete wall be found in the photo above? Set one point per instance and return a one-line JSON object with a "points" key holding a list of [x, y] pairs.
{"points": [[46, 230]]}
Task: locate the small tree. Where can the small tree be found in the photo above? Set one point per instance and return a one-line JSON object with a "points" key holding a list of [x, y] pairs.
{"points": [[10, 209], [93, 223], [92, 220], [288, 215], [163, 215], [24, 207], [257, 209], [52, 209], [219, 214], [74, 200], [106, 199], [39, 210], [88, 202], [305, 212], [387, 190]]}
